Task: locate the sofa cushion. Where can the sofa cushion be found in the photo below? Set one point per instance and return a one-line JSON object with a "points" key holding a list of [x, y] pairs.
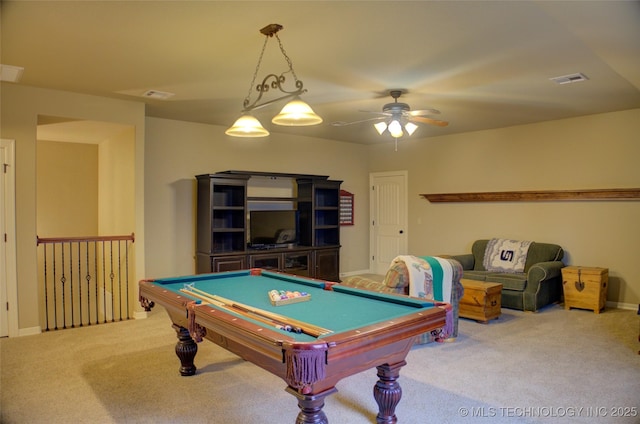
{"points": [[478, 248], [543, 252], [516, 281]]}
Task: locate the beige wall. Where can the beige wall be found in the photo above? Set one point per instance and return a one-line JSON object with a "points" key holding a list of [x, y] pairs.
{"points": [[177, 151], [67, 189], [116, 193], [21, 106], [599, 151]]}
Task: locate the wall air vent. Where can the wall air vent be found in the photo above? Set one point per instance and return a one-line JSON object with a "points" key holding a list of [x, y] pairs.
{"points": [[568, 79], [155, 94]]}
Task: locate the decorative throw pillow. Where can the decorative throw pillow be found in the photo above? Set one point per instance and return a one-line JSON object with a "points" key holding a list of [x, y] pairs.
{"points": [[397, 276], [502, 255]]}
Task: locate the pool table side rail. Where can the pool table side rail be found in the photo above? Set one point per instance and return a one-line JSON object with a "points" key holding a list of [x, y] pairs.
{"points": [[411, 325], [400, 299], [308, 281]]}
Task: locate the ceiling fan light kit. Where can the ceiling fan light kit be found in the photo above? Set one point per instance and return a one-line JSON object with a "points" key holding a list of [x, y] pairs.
{"points": [[294, 113], [397, 118], [401, 113]]}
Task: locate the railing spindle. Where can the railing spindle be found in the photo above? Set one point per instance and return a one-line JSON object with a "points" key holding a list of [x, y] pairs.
{"points": [[55, 295], [46, 290]]}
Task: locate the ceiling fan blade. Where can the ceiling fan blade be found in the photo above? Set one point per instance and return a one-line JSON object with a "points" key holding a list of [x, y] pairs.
{"points": [[344, 124], [430, 121], [424, 112], [375, 112]]}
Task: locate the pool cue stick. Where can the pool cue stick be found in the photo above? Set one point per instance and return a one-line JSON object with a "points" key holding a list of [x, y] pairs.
{"points": [[248, 312], [310, 329], [304, 327], [279, 325]]}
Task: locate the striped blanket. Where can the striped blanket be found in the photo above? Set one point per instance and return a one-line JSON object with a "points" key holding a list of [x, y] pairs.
{"points": [[431, 278]]}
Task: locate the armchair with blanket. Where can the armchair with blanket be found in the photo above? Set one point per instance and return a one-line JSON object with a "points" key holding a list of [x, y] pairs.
{"points": [[530, 272], [427, 277]]}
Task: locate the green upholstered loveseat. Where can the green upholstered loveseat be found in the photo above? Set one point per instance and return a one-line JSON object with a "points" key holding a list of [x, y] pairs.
{"points": [[396, 281], [539, 285]]}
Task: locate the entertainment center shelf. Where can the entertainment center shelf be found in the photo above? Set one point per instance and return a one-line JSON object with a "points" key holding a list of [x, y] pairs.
{"points": [[227, 200], [271, 199]]}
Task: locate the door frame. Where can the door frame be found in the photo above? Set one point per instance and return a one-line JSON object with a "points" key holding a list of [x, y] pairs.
{"points": [[8, 260]]}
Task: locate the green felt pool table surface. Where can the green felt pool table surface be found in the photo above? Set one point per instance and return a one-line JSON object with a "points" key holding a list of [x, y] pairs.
{"points": [[338, 309]]}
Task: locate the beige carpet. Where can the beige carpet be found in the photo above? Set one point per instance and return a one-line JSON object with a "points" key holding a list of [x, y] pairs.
{"points": [[546, 367]]}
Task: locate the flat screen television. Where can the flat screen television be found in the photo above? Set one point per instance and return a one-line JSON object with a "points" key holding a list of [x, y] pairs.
{"points": [[273, 228]]}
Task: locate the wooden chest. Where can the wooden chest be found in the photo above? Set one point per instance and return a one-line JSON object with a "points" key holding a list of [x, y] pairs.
{"points": [[481, 300], [585, 287]]}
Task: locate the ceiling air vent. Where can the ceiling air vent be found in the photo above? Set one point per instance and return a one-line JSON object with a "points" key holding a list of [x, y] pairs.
{"points": [[568, 79], [155, 94], [11, 73]]}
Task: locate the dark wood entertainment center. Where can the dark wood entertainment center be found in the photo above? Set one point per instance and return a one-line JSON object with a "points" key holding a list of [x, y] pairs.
{"points": [[222, 235]]}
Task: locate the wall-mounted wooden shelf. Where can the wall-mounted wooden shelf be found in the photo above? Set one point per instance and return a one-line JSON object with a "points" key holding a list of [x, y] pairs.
{"points": [[529, 196]]}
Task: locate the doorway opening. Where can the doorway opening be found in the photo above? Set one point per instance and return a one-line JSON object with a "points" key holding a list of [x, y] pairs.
{"points": [[85, 193]]}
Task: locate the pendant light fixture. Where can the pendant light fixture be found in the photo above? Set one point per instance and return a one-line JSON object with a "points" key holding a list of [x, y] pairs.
{"points": [[294, 113]]}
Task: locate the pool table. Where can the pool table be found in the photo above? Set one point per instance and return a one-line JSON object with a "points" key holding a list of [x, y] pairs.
{"points": [[359, 330]]}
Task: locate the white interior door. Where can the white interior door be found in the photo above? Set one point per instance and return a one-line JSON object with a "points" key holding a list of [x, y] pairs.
{"points": [[8, 283], [388, 210]]}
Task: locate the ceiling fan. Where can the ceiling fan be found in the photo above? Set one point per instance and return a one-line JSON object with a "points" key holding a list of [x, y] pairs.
{"points": [[396, 115]]}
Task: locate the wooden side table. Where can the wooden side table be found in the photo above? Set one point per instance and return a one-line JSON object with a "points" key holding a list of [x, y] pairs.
{"points": [[585, 287]]}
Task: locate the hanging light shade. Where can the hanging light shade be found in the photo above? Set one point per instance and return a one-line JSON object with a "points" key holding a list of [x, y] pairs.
{"points": [[380, 127], [395, 129], [410, 127], [296, 113], [247, 126]]}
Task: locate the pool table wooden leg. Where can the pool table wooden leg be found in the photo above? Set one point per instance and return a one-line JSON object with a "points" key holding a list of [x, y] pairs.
{"points": [[311, 406], [186, 350], [387, 392]]}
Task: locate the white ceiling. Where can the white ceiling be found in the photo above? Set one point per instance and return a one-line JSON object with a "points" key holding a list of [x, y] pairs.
{"points": [[483, 64]]}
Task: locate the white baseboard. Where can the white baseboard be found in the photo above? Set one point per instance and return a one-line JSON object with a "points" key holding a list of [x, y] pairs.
{"points": [[140, 315], [31, 331], [620, 305]]}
